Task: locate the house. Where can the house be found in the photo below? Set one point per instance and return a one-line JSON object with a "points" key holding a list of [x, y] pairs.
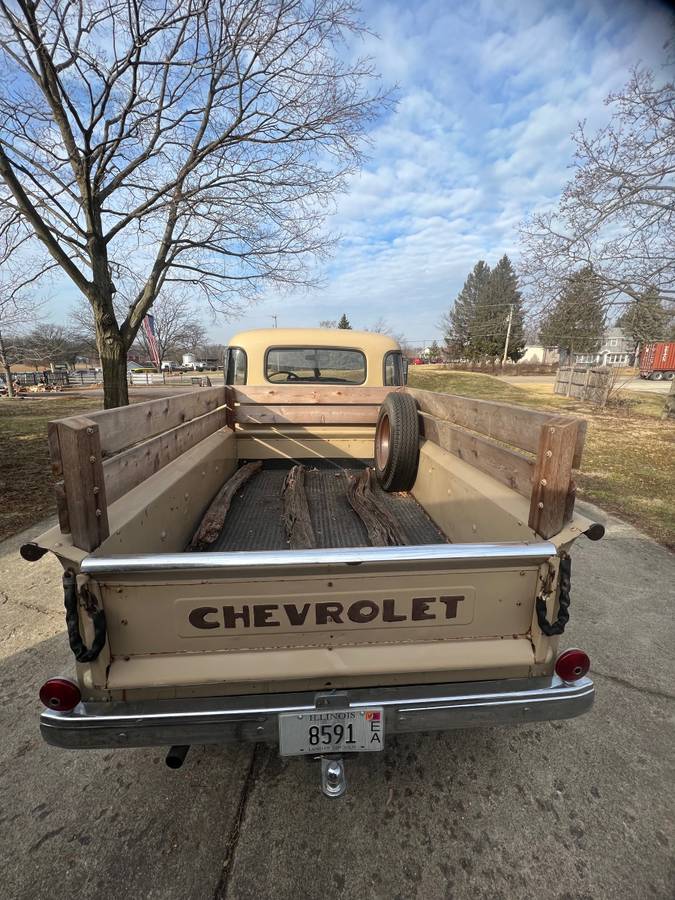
{"points": [[616, 350], [537, 353]]}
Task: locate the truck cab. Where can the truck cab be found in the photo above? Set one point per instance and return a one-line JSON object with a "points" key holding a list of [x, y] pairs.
{"points": [[316, 356]]}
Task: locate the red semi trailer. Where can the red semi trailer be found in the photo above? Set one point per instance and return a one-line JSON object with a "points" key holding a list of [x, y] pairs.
{"points": [[657, 361]]}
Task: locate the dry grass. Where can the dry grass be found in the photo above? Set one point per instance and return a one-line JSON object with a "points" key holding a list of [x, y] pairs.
{"points": [[26, 494], [629, 459]]}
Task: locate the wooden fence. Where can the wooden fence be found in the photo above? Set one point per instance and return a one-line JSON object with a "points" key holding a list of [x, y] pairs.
{"points": [[589, 383]]}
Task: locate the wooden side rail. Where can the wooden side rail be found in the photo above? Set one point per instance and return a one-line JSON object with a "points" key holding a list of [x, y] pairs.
{"points": [[490, 436], [102, 456], [514, 425], [128, 425]]}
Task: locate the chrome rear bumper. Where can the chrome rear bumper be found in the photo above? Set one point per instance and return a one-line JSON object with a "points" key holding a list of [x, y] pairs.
{"points": [[216, 720]]}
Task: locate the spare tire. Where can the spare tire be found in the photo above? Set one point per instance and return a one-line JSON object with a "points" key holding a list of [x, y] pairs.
{"points": [[397, 438]]}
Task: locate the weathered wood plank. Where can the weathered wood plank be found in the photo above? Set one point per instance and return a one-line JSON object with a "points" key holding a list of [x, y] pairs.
{"points": [[295, 514], [214, 518], [512, 468], [62, 507], [552, 501], [383, 530], [229, 405], [83, 482], [515, 425], [127, 425], [129, 468], [349, 414], [287, 394]]}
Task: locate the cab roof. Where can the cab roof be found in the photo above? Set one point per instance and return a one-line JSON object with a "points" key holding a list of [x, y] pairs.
{"points": [[262, 338]]}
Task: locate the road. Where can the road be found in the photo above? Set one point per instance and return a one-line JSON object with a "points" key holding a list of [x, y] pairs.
{"points": [[578, 809], [629, 384]]}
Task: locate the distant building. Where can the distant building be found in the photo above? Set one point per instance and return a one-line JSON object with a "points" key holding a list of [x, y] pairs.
{"points": [[616, 350], [537, 353]]}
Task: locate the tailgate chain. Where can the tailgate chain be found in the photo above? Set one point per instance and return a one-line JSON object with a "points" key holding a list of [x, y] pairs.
{"points": [[558, 626], [82, 653]]}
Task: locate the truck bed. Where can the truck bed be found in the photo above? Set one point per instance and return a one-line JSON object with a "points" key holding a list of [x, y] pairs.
{"points": [[254, 519]]}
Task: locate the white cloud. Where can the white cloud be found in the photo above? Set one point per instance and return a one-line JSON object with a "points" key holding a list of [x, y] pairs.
{"points": [[489, 93]]}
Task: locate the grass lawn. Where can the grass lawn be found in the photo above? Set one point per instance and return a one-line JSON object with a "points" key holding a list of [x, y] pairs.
{"points": [[629, 458], [26, 479]]}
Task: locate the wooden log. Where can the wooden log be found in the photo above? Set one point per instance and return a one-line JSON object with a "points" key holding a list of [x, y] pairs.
{"points": [[85, 510], [213, 520], [299, 414], [127, 425], [383, 529], [515, 425], [295, 515], [512, 468], [288, 394], [552, 501], [129, 468]]}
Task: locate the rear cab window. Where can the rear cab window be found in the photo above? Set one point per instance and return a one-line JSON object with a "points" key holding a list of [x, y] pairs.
{"points": [[315, 365]]}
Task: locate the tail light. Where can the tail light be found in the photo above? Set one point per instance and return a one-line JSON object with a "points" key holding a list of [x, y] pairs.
{"points": [[60, 694], [572, 665]]}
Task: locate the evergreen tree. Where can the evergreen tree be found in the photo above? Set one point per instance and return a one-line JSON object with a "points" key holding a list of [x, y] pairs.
{"points": [[476, 326], [577, 322], [344, 322], [461, 325], [502, 296], [645, 319]]}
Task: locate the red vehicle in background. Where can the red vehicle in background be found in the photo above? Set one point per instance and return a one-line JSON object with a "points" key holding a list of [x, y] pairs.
{"points": [[657, 361]]}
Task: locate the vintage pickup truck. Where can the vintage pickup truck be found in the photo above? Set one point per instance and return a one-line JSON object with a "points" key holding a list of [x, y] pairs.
{"points": [[312, 554]]}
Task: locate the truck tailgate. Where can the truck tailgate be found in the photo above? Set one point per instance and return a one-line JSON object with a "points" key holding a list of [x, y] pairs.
{"points": [[243, 617]]}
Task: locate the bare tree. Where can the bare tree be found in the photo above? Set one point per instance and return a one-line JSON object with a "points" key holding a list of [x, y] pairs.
{"points": [[617, 214], [190, 141], [18, 309]]}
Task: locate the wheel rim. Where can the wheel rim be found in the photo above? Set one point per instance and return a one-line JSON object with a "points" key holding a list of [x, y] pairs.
{"points": [[382, 441]]}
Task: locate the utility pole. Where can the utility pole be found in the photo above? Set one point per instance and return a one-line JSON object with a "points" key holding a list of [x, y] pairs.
{"points": [[508, 335], [275, 317]]}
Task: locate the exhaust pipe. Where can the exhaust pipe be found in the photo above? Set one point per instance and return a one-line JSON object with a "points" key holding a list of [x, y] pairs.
{"points": [[176, 756]]}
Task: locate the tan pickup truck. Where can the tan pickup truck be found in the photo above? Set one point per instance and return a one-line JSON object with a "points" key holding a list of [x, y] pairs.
{"points": [[315, 555]]}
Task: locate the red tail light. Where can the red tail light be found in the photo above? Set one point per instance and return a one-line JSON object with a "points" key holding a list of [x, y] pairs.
{"points": [[60, 694], [572, 665]]}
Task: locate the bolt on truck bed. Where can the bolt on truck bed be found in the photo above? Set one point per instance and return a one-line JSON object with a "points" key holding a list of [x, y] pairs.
{"points": [[442, 631]]}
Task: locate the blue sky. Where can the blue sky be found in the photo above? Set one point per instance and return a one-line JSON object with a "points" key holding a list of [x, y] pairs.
{"points": [[488, 95]]}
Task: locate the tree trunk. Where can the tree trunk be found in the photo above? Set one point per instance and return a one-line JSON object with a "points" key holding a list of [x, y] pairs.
{"points": [[669, 408], [6, 368], [113, 355]]}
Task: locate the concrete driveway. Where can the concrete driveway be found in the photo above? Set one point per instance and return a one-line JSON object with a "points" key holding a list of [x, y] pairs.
{"points": [[577, 809]]}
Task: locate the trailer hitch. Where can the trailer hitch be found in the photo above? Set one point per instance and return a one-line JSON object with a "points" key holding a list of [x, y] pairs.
{"points": [[333, 778], [82, 653]]}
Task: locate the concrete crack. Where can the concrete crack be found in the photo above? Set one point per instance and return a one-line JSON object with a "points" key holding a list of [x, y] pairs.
{"points": [[259, 752], [33, 607], [653, 692]]}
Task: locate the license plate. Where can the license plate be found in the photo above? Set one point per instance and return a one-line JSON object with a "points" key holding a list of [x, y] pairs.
{"points": [[353, 730]]}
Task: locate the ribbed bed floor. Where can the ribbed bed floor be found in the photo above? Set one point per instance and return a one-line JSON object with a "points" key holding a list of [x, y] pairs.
{"points": [[254, 519]]}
